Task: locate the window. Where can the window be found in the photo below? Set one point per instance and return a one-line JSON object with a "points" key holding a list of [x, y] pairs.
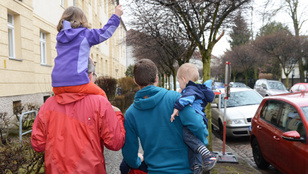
{"points": [[45, 98], [270, 111], [301, 87], [291, 121], [17, 107], [11, 38], [62, 3], [43, 48], [295, 88], [288, 112]]}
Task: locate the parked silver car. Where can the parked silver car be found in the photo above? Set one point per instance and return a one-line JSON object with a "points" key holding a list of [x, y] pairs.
{"points": [[270, 87], [238, 85], [241, 107]]}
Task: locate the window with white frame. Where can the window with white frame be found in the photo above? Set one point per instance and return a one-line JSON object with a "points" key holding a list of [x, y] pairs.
{"points": [[62, 3], [11, 38], [43, 48]]}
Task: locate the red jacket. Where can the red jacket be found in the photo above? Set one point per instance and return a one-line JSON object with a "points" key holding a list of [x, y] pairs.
{"points": [[73, 129]]}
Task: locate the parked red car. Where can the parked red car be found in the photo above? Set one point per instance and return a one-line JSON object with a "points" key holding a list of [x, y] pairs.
{"points": [[279, 133], [299, 86]]}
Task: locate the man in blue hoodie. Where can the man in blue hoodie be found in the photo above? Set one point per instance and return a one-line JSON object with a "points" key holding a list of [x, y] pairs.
{"points": [[148, 119]]}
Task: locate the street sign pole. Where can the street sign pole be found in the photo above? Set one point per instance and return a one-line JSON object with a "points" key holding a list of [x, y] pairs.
{"points": [[226, 157]]}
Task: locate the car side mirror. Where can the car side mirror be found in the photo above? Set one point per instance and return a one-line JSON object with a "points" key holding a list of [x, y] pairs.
{"points": [[292, 136]]}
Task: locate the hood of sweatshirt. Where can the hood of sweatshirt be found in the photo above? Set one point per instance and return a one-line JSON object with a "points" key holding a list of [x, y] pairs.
{"points": [[67, 34], [148, 97], [66, 98]]}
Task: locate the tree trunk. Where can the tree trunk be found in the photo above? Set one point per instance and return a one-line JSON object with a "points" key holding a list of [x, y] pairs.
{"points": [[163, 81], [287, 81], [206, 59], [246, 77], [255, 73], [174, 79]]}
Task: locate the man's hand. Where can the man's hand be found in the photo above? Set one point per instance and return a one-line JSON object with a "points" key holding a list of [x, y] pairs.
{"points": [[175, 113], [119, 11]]}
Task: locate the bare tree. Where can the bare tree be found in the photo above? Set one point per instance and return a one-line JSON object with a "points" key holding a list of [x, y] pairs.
{"points": [[203, 22], [291, 7], [282, 47], [157, 25], [243, 59]]}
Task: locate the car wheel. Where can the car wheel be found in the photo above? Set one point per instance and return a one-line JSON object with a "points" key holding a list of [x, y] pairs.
{"points": [[257, 155]]}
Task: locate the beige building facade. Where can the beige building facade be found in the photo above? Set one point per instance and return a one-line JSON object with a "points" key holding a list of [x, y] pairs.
{"points": [[27, 47]]}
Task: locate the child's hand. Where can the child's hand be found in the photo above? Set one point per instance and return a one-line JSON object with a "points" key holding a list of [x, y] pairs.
{"points": [[140, 156], [175, 113], [119, 11], [180, 90]]}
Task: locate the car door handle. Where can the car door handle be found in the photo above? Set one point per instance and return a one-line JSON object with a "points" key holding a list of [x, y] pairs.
{"points": [[276, 138], [259, 127]]}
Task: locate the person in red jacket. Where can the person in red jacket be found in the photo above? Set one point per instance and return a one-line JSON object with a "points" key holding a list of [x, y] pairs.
{"points": [[73, 128]]}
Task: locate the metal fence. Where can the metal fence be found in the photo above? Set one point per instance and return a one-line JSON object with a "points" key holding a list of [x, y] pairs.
{"points": [[21, 123]]}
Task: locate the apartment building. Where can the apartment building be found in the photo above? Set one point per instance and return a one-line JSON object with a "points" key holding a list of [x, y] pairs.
{"points": [[27, 47]]}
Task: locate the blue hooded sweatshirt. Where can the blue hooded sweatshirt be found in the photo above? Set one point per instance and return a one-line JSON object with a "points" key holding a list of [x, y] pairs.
{"points": [[196, 95], [148, 119], [73, 49]]}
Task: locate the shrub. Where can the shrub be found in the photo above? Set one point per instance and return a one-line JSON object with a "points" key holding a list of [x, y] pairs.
{"points": [[129, 99], [127, 84], [124, 101], [119, 102], [108, 84], [4, 128], [16, 156], [19, 157]]}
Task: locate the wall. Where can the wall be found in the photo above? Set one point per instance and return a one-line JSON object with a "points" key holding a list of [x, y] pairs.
{"points": [[23, 78]]}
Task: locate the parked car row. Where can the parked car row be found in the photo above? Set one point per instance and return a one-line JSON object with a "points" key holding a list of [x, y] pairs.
{"points": [[277, 124]]}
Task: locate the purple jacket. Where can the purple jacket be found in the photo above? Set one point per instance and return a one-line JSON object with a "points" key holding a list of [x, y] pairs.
{"points": [[73, 49]]}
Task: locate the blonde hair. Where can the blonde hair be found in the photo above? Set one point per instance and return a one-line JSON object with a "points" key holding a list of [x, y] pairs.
{"points": [[75, 16], [189, 72]]}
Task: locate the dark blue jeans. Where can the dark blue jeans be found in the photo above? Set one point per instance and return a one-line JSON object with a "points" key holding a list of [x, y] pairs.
{"points": [[193, 143], [125, 168]]}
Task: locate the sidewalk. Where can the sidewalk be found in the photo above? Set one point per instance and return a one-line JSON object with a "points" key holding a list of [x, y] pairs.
{"points": [[113, 160], [242, 167]]}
